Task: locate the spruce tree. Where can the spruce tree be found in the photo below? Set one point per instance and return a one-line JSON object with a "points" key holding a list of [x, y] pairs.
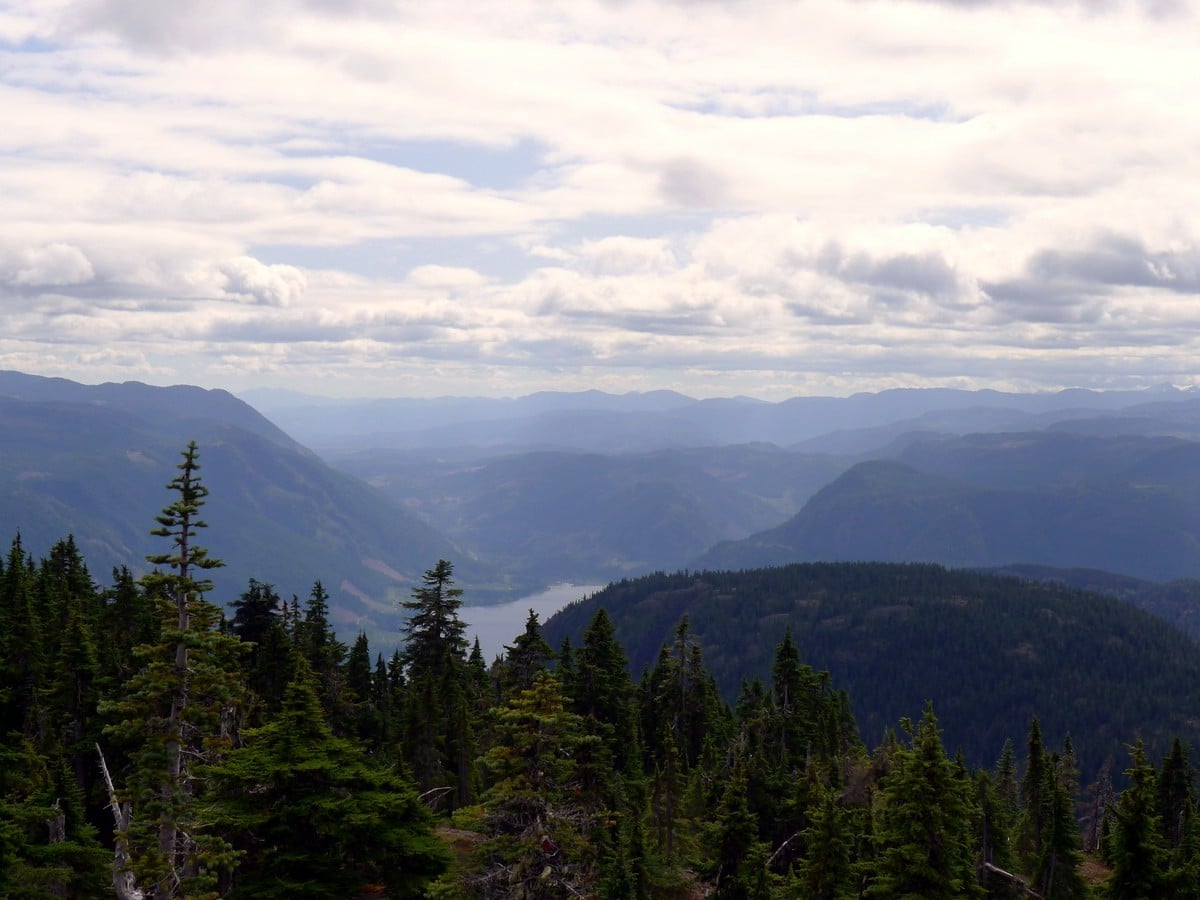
{"points": [[1138, 849], [528, 655], [540, 818], [439, 740], [1029, 840], [179, 708], [736, 855], [925, 828], [313, 816], [1176, 793], [602, 693], [826, 872], [1057, 873]]}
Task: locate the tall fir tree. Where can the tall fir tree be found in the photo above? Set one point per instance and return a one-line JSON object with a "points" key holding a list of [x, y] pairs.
{"points": [[439, 740], [924, 834], [177, 710], [1057, 874], [528, 655], [544, 826], [1138, 849], [1029, 834], [597, 680]]}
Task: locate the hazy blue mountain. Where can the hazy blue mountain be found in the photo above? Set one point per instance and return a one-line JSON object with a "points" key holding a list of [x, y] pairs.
{"points": [[989, 652], [96, 466], [587, 516], [180, 403], [600, 422], [1127, 504]]}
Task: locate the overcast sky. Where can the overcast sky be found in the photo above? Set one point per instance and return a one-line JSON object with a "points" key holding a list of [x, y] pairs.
{"points": [[364, 197]]}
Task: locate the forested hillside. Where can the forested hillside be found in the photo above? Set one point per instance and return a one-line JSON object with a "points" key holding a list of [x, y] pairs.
{"points": [[988, 651]]}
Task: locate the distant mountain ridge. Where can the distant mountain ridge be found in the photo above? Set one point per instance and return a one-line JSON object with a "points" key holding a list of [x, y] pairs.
{"points": [[650, 421], [1126, 504], [180, 402]]}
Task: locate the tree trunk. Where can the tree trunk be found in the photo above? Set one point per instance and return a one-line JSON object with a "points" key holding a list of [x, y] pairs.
{"points": [[124, 883]]}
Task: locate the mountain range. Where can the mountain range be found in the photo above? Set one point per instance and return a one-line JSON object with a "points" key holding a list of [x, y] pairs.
{"points": [[587, 487]]}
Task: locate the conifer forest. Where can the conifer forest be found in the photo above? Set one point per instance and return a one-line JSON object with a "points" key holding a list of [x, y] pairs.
{"points": [[160, 742]]}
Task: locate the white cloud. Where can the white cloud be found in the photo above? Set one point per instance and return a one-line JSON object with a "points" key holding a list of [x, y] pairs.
{"points": [[247, 280], [49, 265], [853, 194]]}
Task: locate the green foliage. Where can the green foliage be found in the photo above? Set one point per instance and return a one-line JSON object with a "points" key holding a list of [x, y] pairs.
{"points": [[826, 871], [545, 828], [528, 655], [1138, 850], [438, 738], [597, 681], [923, 837], [1057, 873], [311, 815], [47, 848], [178, 707]]}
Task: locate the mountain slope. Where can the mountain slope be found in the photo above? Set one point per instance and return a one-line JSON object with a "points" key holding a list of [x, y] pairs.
{"points": [[988, 651], [590, 517], [276, 513], [1122, 504]]}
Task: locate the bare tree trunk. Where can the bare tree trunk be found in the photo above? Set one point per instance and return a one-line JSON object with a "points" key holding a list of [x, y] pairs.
{"points": [[123, 881]]}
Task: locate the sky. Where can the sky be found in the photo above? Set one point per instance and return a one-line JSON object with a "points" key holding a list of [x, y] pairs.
{"points": [[370, 198]]}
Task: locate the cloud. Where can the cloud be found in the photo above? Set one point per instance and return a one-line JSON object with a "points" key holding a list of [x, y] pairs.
{"points": [[689, 182], [849, 194], [624, 255], [49, 265], [247, 280]]}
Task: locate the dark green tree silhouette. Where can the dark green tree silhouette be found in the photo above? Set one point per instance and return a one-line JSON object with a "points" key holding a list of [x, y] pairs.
{"points": [[1138, 850], [924, 832], [313, 816], [438, 737]]}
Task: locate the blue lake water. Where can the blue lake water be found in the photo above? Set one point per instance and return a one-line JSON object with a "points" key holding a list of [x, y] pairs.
{"points": [[500, 625]]}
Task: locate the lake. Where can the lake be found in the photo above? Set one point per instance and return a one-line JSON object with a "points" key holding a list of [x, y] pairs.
{"points": [[500, 625]]}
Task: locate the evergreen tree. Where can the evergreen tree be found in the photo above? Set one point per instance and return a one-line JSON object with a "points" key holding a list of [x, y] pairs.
{"points": [[1176, 793], [258, 623], [602, 693], [826, 872], [314, 817], [439, 738], [177, 709], [528, 655], [1057, 873], [48, 849], [925, 827], [540, 819], [21, 638], [1032, 796], [735, 853], [1138, 850]]}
